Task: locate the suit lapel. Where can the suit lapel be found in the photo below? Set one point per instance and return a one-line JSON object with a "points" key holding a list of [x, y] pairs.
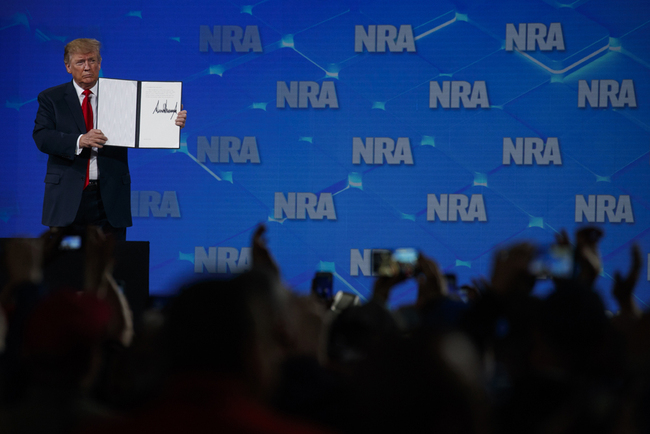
{"points": [[75, 108]]}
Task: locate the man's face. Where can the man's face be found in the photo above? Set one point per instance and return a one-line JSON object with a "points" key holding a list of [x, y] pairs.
{"points": [[84, 69]]}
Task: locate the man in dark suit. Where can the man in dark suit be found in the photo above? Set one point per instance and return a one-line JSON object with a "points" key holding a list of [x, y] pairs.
{"points": [[86, 183]]}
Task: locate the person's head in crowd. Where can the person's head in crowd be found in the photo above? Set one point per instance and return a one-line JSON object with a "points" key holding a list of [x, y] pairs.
{"points": [[408, 385], [63, 339], [575, 331], [231, 328], [355, 333], [208, 325]]}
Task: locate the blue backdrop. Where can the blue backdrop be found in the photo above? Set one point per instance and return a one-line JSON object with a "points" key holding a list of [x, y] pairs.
{"points": [[455, 127]]}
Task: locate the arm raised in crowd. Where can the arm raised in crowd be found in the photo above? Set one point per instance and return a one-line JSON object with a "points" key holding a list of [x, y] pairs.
{"points": [[98, 280], [623, 289]]}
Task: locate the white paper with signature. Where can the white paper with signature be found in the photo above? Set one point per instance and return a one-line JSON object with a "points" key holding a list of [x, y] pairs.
{"points": [[152, 126], [160, 102]]}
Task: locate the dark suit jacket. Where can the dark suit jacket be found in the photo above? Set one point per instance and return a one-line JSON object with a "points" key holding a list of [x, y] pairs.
{"points": [[59, 122]]}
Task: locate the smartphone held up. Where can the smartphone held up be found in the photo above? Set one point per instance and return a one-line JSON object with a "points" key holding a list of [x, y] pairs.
{"points": [[399, 262]]}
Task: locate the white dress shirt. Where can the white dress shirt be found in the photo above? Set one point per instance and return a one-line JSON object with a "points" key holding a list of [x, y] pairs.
{"points": [[93, 170]]}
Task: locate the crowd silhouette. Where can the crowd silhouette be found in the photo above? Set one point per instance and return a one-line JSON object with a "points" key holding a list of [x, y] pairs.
{"points": [[248, 355]]}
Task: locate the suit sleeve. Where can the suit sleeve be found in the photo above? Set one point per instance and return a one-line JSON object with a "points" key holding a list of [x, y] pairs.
{"points": [[51, 134]]}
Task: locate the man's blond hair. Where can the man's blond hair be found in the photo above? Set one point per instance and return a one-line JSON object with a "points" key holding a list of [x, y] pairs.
{"points": [[82, 46]]}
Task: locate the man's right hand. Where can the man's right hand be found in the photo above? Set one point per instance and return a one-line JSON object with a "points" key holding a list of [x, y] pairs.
{"points": [[92, 139]]}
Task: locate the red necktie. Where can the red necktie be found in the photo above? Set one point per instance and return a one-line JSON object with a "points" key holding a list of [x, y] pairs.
{"points": [[88, 117]]}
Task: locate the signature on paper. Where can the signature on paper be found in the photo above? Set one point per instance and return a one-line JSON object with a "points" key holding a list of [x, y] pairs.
{"points": [[164, 109]]}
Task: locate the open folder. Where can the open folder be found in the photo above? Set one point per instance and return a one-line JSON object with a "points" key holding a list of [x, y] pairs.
{"points": [[139, 114]]}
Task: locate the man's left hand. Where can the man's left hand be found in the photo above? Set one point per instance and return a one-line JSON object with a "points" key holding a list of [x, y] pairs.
{"points": [[181, 118]]}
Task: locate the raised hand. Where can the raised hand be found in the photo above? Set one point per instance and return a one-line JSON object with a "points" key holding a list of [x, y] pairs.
{"points": [[623, 289], [511, 273]]}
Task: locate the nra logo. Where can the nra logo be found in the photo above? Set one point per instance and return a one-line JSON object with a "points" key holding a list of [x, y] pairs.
{"points": [[525, 150], [530, 36], [226, 149], [302, 94], [602, 208], [456, 94], [601, 93], [382, 38], [300, 206], [454, 207], [376, 150], [222, 260], [225, 39], [152, 203]]}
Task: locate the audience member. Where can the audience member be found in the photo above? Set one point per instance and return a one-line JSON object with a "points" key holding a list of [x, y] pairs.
{"points": [[247, 355]]}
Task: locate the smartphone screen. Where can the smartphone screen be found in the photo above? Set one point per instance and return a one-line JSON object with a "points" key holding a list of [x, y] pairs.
{"points": [[323, 285], [388, 264], [70, 242], [553, 261], [407, 259], [450, 278], [343, 300], [383, 263]]}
